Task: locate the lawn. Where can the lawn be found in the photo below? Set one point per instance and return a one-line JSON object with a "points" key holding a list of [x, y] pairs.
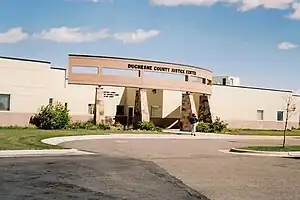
{"points": [[27, 139], [273, 148], [265, 132]]}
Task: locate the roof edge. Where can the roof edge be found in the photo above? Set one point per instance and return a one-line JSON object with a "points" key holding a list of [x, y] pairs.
{"points": [[255, 88], [25, 59], [135, 59]]}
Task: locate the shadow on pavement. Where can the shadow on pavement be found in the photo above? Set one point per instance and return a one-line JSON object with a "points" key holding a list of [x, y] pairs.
{"points": [[89, 177]]}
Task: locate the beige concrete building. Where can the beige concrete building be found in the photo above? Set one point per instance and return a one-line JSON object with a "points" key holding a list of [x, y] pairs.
{"points": [[26, 85]]}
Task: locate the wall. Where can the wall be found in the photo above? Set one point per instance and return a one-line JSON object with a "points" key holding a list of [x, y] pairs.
{"points": [[28, 83], [238, 106]]}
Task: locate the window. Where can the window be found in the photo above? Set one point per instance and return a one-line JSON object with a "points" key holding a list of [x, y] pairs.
{"points": [[204, 80], [260, 115], [280, 116], [120, 110], [4, 102], [51, 101], [120, 72], [85, 70], [186, 78], [209, 82], [91, 109], [224, 81], [231, 81]]}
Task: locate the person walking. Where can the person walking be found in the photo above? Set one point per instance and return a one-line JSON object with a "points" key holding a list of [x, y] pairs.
{"points": [[193, 121]]}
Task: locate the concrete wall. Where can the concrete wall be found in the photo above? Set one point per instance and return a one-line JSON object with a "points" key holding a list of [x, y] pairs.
{"points": [[30, 85], [238, 106]]}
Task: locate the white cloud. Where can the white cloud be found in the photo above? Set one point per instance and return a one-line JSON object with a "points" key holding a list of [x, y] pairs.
{"points": [[296, 12], [13, 35], [268, 4], [139, 35], [287, 46], [244, 5], [72, 35], [79, 35]]}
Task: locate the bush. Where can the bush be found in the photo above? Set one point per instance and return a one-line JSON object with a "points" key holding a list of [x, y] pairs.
{"points": [[219, 125], [52, 116], [88, 125], [148, 126], [205, 127]]}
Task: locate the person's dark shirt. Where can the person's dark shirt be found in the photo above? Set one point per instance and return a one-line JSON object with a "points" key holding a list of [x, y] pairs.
{"points": [[193, 119]]}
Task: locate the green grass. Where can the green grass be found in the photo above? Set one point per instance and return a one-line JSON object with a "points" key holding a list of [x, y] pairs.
{"points": [[265, 132], [273, 148], [30, 138]]}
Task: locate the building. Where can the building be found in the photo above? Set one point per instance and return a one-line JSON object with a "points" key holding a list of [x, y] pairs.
{"points": [[126, 88]]}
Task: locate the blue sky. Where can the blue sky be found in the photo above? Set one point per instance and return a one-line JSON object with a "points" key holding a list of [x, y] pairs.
{"points": [[256, 40]]}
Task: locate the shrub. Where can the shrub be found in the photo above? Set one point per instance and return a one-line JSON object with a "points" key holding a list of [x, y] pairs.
{"points": [[148, 126], [205, 127], [88, 125], [52, 116], [118, 126], [219, 125], [81, 125]]}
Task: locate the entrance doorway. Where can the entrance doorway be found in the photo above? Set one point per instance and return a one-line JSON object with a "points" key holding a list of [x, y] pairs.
{"points": [[130, 115]]}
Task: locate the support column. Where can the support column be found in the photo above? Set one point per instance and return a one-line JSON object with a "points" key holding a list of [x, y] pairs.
{"points": [[187, 108], [204, 110], [141, 111], [99, 106]]}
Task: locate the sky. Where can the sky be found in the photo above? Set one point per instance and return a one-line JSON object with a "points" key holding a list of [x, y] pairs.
{"points": [[256, 40]]}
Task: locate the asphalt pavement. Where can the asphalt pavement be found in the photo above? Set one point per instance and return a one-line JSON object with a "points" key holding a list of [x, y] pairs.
{"points": [[89, 178], [200, 165]]}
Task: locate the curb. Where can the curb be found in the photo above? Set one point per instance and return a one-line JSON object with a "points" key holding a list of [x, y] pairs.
{"points": [[266, 153], [48, 152]]}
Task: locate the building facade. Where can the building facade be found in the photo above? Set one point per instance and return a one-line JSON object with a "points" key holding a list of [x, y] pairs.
{"points": [[125, 88]]}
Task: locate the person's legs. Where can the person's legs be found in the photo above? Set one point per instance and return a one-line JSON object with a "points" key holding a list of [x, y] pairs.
{"points": [[193, 129]]}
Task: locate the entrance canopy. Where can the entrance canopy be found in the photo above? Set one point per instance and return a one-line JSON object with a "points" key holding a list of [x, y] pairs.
{"points": [[112, 71]]}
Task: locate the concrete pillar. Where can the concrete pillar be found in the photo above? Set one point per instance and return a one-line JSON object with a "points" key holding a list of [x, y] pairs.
{"points": [[187, 108], [141, 110], [99, 106], [204, 109]]}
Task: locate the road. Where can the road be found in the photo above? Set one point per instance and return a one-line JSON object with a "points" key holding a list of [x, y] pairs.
{"points": [[217, 175], [89, 178]]}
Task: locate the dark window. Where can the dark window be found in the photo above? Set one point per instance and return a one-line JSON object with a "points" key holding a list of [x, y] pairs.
{"points": [[203, 80], [224, 81], [186, 78], [280, 116], [51, 101], [120, 110], [209, 82], [4, 102]]}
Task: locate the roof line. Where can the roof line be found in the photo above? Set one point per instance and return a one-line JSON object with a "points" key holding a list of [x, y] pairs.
{"points": [[58, 68], [24, 59], [134, 59], [255, 88]]}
